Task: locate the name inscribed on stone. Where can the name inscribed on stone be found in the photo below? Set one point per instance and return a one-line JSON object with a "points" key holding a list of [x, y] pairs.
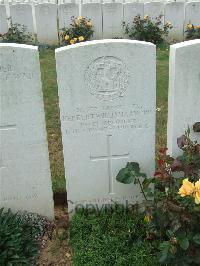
{"points": [[11, 72], [112, 117]]}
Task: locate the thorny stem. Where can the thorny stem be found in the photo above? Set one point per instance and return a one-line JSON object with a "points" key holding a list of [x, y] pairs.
{"points": [[142, 189]]}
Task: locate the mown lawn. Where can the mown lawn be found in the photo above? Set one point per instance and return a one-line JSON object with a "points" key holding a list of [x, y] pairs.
{"points": [[111, 238], [48, 70], [50, 94]]}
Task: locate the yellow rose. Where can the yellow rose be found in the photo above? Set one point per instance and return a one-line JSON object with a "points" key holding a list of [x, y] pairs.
{"points": [[72, 41], [77, 22], [146, 17], [89, 23], [186, 189], [81, 38], [75, 39], [147, 218], [80, 18], [197, 192], [168, 23], [189, 26], [66, 37]]}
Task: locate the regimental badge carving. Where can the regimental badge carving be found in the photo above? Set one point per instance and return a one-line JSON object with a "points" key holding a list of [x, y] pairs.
{"points": [[107, 78]]}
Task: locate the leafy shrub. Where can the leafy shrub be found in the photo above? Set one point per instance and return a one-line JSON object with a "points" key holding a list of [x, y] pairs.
{"points": [[20, 236], [17, 33], [173, 216], [145, 29], [81, 30], [192, 32]]}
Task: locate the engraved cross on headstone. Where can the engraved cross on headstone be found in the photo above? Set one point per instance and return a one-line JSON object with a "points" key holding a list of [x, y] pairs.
{"points": [[109, 157], [4, 128]]}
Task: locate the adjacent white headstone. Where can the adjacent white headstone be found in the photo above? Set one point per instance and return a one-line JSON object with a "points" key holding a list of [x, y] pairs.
{"points": [[24, 164], [131, 10], [154, 10], [22, 14], [93, 11], [192, 13], [66, 12], [112, 20], [184, 91], [46, 23], [3, 21], [107, 105], [174, 13]]}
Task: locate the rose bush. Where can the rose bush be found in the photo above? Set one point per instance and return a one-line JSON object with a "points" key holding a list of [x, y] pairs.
{"points": [[192, 32], [172, 209], [146, 29], [81, 29]]}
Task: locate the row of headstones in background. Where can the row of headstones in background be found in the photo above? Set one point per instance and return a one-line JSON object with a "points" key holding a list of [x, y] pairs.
{"points": [[82, 1], [107, 18], [107, 105]]}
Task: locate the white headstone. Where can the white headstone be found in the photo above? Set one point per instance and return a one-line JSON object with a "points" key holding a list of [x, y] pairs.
{"points": [[107, 105], [131, 10], [192, 13], [112, 20], [184, 91], [46, 23], [91, 1], [3, 21], [66, 12], [22, 14], [93, 11], [174, 13], [154, 10], [24, 164]]}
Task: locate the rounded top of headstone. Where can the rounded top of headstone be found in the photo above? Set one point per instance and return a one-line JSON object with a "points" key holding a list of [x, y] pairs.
{"points": [[105, 41], [16, 45], [185, 44]]}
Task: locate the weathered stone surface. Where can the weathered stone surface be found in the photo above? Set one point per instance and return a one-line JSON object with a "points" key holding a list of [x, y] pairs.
{"points": [[66, 12], [24, 164], [184, 92], [22, 14], [174, 13], [112, 20], [3, 21], [132, 10], [93, 11], [107, 102], [192, 13], [154, 10], [46, 23]]}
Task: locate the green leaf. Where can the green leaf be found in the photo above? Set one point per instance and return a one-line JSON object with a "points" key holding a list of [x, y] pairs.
{"points": [[130, 173], [164, 247], [184, 243], [196, 239], [124, 176], [163, 257]]}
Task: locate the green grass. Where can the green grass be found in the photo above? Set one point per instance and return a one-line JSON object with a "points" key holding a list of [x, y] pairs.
{"points": [[162, 97], [110, 238], [50, 92]]}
